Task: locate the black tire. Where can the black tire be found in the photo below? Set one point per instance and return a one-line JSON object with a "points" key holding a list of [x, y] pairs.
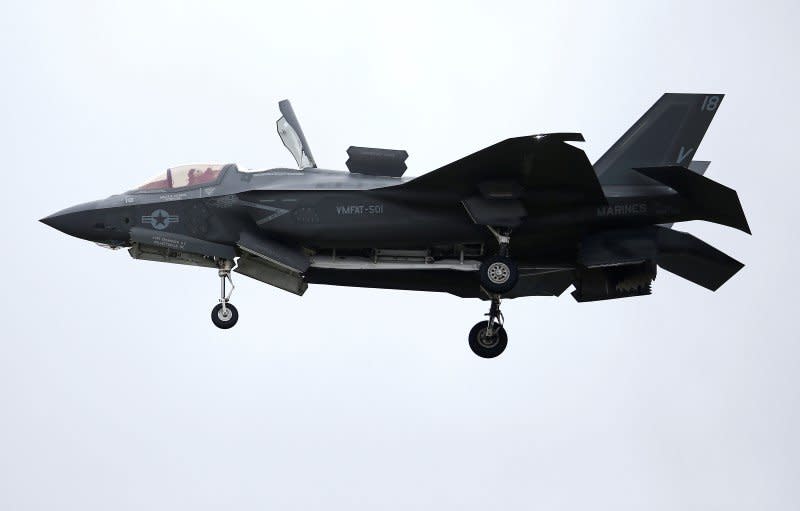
{"points": [[221, 321], [499, 274], [487, 347]]}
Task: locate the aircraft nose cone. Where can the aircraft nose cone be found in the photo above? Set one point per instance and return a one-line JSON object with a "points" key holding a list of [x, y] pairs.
{"points": [[75, 221], [56, 221]]}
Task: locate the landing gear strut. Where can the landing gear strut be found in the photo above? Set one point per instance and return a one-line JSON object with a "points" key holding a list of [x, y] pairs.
{"points": [[224, 315], [498, 275], [488, 339]]}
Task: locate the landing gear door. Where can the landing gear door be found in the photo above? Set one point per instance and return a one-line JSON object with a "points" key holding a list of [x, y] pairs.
{"points": [[292, 136]]}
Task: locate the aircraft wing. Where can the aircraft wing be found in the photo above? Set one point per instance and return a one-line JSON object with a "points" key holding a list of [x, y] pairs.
{"points": [[542, 169]]}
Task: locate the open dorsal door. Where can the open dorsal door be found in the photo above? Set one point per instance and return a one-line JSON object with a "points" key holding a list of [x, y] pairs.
{"points": [[292, 136]]}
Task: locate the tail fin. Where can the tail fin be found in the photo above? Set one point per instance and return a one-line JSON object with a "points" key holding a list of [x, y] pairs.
{"points": [[667, 134]]}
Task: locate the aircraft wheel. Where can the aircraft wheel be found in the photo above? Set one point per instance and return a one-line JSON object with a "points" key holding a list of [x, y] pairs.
{"points": [[498, 274], [224, 318], [486, 346]]}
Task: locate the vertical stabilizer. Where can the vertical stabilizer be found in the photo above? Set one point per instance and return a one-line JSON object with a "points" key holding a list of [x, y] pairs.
{"points": [[669, 133]]}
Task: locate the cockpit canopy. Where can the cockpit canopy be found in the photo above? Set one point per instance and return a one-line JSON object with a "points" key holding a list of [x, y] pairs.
{"points": [[183, 176]]}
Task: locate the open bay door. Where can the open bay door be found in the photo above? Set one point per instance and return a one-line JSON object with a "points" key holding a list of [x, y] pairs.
{"points": [[292, 136]]}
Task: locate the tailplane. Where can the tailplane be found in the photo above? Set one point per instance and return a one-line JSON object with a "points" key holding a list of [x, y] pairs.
{"points": [[708, 199]]}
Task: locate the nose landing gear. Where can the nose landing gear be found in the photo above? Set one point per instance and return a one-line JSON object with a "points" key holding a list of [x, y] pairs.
{"points": [[488, 339], [224, 315]]}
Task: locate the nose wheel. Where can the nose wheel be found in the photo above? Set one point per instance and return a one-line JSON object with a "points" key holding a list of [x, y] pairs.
{"points": [[224, 315], [488, 339]]}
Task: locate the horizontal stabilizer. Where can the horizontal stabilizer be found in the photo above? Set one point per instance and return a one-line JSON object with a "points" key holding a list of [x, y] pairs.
{"points": [[675, 251], [694, 260], [715, 202]]}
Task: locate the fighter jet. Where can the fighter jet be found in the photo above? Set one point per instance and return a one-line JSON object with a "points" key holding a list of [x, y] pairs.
{"points": [[528, 216]]}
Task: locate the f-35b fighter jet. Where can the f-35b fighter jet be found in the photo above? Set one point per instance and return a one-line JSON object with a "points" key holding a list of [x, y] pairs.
{"points": [[528, 216]]}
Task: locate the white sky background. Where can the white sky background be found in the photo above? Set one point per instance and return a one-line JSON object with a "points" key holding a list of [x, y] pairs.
{"points": [[116, 392]]}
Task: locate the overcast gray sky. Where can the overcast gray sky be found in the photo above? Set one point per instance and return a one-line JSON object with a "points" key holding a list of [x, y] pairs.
{"points": [[116, 392]]}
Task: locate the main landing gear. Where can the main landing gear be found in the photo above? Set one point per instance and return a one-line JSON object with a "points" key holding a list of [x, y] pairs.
{"points": [[498, 275], [224, 315], [488, 339]]}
